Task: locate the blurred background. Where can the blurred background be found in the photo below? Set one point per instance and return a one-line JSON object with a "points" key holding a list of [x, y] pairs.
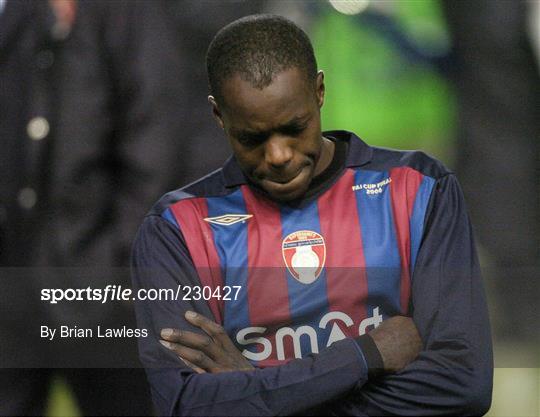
{"points": [[103, 109]]}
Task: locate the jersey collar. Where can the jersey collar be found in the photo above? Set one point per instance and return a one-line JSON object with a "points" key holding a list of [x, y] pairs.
{"points": [[359, 153]]}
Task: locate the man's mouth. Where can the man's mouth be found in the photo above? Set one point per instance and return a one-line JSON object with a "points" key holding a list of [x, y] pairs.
{"points": [[286, 183], [282, 180]]}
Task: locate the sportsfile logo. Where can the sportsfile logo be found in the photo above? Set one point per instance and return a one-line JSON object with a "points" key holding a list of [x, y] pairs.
{"points": [[228, 219], [372, 189], [254, 335]]}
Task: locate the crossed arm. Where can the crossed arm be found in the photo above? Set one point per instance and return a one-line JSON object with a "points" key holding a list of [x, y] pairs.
{"points": [[452, 375], [397, 342]]}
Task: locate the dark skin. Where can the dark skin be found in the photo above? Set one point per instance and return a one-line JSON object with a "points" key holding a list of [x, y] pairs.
{"points": [[213, 352], [275, 134]]}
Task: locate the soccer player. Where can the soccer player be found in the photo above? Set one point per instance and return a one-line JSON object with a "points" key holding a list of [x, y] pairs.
{"points": [[309, 264]]}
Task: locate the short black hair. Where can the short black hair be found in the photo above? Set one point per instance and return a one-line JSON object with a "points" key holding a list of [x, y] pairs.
{"points": [[258, 47]]}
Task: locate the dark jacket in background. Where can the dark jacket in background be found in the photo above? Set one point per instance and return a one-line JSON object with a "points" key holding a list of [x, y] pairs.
{"points": [[94, 127], [498, 156]]}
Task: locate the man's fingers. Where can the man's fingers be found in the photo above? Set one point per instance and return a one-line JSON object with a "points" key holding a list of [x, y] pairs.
{"points": [[192, 366], [207, 325], [211, 328], [196, 341], [172, 335], [191, 357], [212, 352]]}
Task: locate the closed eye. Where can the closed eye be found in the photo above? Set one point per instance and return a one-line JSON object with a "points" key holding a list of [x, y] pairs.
{"points": [[251, 139], [292, 130]]}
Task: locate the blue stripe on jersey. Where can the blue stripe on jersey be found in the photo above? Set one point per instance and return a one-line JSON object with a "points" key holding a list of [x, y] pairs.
{"points": [[307, 302], [232, 247], [379, 241], [418, 216], [167, 215]]}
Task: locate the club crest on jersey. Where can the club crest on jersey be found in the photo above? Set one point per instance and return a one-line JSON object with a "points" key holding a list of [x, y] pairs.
{"points": [[228, 219], [304, 253]]}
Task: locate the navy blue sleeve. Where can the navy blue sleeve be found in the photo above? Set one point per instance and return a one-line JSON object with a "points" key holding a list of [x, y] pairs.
{"points": [[161, 261], [453, 375]]}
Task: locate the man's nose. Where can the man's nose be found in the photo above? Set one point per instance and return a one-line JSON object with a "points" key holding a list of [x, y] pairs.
{"points": [[278, 151]]}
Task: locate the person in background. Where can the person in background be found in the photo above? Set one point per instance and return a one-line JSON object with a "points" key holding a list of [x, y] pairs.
{"points": [[497, 82], [96, 105]]}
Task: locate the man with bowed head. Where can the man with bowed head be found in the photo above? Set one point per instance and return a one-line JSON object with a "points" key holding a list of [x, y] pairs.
{"points": [[359, 287]]}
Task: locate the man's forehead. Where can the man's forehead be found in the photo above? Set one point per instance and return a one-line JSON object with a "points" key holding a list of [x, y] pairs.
{"points": [[287, 98], [254, 129], [289, 83]]}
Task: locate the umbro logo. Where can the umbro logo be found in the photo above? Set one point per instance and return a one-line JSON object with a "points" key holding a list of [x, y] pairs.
{"points": [[228, 219]]}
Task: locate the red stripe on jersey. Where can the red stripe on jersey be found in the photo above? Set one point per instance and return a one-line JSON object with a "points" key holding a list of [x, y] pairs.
{"points": [[403, 188], [345, 262], [267, 281], [190, 215]]}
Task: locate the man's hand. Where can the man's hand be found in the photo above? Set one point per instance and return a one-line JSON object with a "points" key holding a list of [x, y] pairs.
{"points": [[398, 342], [213, 352]]}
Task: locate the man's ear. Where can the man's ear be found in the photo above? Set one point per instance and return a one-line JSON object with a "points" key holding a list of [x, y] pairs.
{"points": [[319, 85], [216, 112]]}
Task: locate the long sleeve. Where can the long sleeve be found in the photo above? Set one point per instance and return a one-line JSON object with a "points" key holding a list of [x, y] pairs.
{"points": [[453, 374], [160, 261]]}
